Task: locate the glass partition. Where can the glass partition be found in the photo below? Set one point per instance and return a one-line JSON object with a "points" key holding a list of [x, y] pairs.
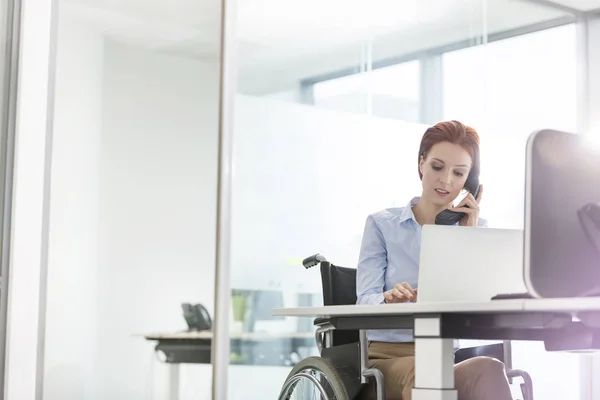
{"points": [[133, 200], [332, 102]]}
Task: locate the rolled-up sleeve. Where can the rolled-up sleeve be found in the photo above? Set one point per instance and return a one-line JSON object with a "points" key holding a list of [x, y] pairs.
{"points": [[372, 264]]}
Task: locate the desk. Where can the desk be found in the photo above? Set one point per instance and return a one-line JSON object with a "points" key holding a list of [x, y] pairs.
{"points": [[436, 325], [195, 348]]}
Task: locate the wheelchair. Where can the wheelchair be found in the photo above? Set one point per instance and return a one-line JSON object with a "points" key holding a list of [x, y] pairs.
{"points": [[341, 372]]}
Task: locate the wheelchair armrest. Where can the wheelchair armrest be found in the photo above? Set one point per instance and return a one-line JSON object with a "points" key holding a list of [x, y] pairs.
{"points": [[526, 386], [519, 373], [324, 328], [321, 321]]}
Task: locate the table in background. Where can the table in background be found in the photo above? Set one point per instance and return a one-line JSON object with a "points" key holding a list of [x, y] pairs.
{"points": [[253, 348]]}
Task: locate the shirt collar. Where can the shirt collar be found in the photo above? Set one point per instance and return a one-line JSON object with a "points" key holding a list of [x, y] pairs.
{"points": [[407, 212]]}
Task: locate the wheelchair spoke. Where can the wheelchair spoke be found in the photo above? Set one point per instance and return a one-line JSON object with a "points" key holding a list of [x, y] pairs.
{"points": [[309, 384]]}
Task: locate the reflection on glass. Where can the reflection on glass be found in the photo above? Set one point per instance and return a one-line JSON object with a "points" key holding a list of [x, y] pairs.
{"points": [[133, 202], [333, 100], [4, 61]]}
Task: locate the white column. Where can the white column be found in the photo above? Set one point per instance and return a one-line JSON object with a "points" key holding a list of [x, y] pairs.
{"points": [[588, 42], [431, 104], [228, 88], [434, 362], [29, 233]]}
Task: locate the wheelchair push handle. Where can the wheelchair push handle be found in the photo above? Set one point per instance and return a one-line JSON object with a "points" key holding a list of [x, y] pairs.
{"points": [[313, 260]]}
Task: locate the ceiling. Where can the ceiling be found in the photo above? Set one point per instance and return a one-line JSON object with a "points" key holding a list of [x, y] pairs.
{"points": [[283, 41]]}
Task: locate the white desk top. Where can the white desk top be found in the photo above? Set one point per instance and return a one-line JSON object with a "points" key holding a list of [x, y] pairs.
{"points": [[492, 306], [256, 336]]}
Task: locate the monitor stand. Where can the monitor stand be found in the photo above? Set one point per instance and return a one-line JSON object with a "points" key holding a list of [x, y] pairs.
{"points": [[592, 293]]}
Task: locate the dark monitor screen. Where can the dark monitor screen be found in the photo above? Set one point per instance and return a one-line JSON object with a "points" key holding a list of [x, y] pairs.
{"points": [[562, 215]]}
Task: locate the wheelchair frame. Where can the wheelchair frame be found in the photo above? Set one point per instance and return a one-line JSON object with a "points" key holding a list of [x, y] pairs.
{"points": [[324, 335]]}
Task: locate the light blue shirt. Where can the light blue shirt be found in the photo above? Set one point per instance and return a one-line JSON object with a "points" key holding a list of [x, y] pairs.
{"points": [[389, 254]]}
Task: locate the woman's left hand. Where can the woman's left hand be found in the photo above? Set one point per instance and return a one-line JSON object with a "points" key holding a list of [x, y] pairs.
{"points": [[470, 206]]}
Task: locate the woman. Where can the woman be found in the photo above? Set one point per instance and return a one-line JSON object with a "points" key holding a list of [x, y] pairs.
{"points": [[389, 262]]}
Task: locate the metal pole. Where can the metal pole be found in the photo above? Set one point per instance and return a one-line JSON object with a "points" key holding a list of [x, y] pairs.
{"points": [[228, 67]]}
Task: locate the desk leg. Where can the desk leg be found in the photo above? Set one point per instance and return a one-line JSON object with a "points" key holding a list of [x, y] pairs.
{"points": [[434, 362], [174, 381]]}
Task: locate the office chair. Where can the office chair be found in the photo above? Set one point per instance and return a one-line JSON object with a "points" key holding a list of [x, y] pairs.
{"points": [[342, 372]]}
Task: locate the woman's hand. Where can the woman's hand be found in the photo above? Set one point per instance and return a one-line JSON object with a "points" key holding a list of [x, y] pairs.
{"points": [[470, 206], [401, 293]]}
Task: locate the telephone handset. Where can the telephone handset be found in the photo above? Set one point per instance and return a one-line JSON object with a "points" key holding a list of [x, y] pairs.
{"points": [[447, 217], [197, 317]]}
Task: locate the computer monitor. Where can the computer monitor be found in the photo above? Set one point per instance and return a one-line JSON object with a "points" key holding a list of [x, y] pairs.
{"points": [[562, 215]]}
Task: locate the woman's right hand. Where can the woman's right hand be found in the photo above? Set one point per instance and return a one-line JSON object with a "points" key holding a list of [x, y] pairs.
{"points": [[401, 293]]}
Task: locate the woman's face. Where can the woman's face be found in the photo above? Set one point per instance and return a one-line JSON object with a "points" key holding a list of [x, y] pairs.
{"points": [[445, 172]]}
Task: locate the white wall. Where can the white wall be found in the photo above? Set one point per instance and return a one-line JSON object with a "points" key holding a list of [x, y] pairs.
{"points": [[74, 239]]}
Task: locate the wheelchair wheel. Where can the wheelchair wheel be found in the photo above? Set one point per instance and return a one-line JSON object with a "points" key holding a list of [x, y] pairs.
{"points": [[314, 378]]}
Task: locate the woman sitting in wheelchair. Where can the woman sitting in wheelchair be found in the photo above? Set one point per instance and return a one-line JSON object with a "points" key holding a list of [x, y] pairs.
{"points": [[389, 256]]}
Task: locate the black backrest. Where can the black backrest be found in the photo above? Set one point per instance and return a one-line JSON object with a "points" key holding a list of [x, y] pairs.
{"points": [[339, 288]]}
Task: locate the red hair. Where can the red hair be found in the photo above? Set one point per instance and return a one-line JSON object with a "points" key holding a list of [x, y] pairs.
{"points": [[454, 132]]}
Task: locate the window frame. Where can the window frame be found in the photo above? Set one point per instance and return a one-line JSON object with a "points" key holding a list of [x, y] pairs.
{"points": [[430, 67]]}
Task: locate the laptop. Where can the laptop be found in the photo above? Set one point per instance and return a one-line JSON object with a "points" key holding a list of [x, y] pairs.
{"points": [[469, 264]]}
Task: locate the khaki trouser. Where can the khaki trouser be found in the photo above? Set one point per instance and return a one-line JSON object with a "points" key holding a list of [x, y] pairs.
{"points": [[478, 378]]}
